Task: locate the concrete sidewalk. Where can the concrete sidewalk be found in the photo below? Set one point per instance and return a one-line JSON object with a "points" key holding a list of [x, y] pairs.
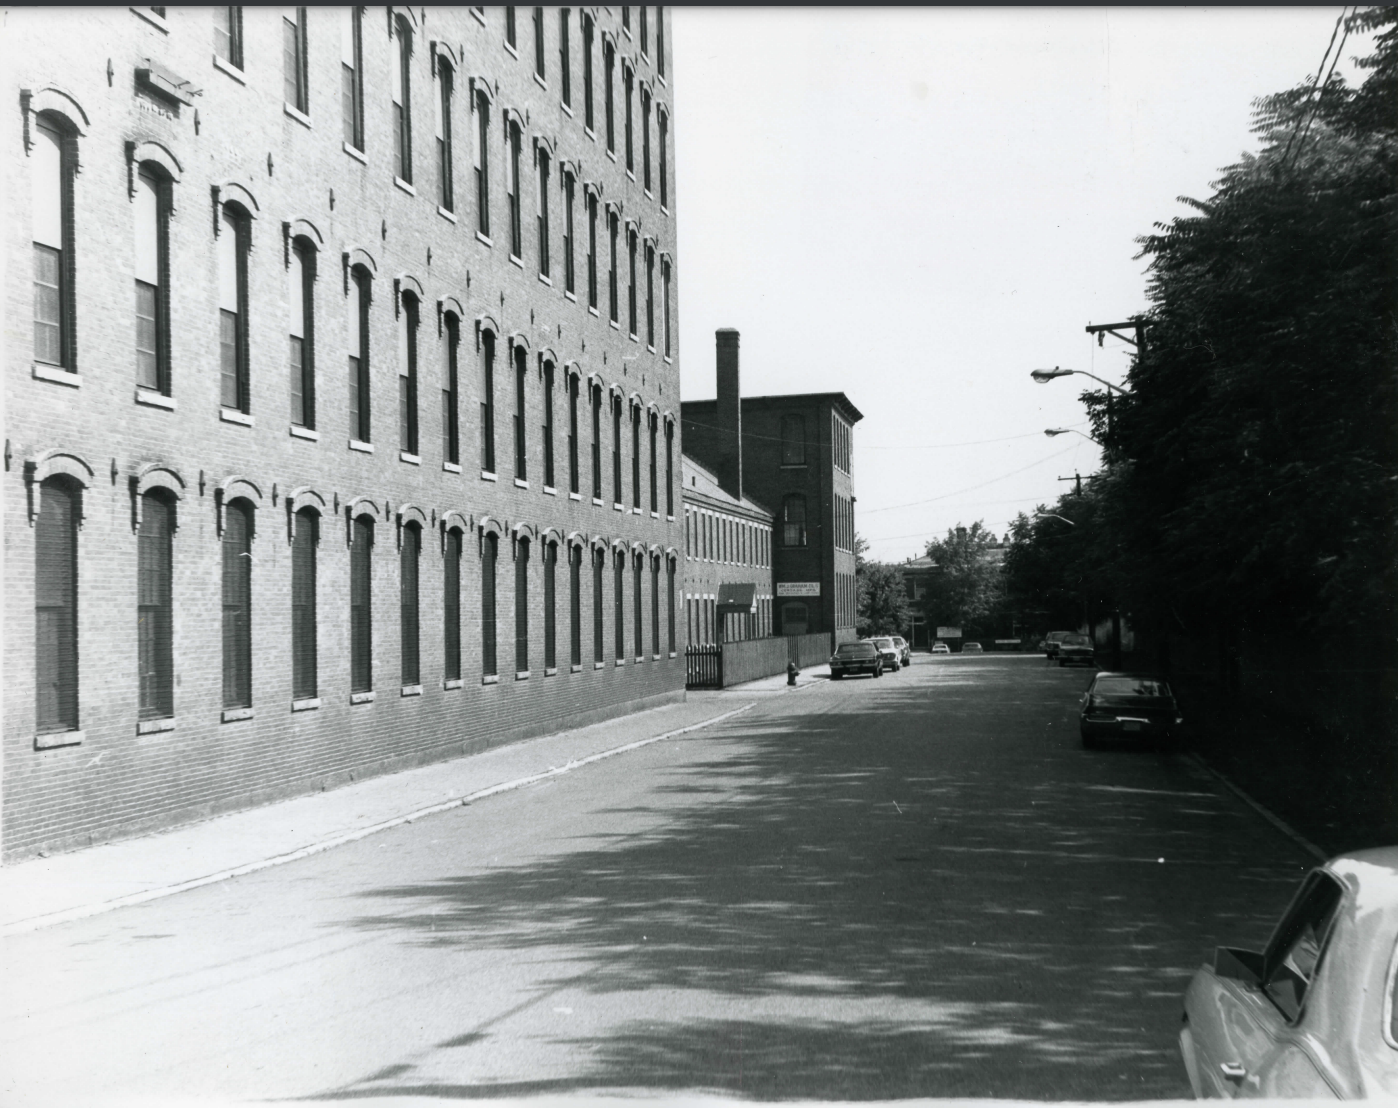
{"points": [[46, 891]]}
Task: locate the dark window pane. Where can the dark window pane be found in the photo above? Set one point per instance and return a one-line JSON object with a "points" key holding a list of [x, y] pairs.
{"points": [[48, 305], [237, 605], [361, 613], [451, 606], [155, 657], [56, 608], [522, 605], [147, 357], [489, 548], [228, 358], [408, 602], [303, 606]]}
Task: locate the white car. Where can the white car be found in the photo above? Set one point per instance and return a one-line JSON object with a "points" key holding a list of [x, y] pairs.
{"points": [[940, 648], [1314, 1014]]}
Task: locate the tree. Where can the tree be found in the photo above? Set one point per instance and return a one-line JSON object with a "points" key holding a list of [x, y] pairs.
{"points": [[883, 601], [966, 589], [1253, 477]]}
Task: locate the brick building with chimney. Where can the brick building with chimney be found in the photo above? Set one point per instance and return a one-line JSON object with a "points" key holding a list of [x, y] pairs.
{"points": [[341, 382], [792, 453]]}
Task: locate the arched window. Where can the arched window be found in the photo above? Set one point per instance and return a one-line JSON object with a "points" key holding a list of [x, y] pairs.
{"points": [[51, 163], [670, 597], [451, 606], [794, 520], [237, 604], [592, 249], [550, 597], [569, 190], [304, 655], [300, 281], [637, 602], [650, 297], [480, 159], [539, 69], [407, 373], [613, 230], [616, 451], [793, 440], [541, 215], [234, 240], [665, 300], [629, 81], [670, 469], [575, 605], [408, 558], [619, 585], [400, 80], [609, 79], [490, 547], [352, 76], [357, 337], [662, 120], [660, 40], [587, 34], [565, 47], [636, 456], [654, 422], [598, 556], [487, 401], [451, 438], [152, 211], [441, 103], [631, 282], [573, 478], [596, 393], [512, 190], [548, 424], [56, 606], [361, 606], [645, 136], [155, 645], [522, 606], [521, 360], [655, 605]]}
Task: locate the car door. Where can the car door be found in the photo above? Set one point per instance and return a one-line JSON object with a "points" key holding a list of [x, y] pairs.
{"points": [[1245, 1012]]}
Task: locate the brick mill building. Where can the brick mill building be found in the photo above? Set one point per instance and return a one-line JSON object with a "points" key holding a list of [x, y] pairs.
{"points": [[341, 376], [792, 453]]}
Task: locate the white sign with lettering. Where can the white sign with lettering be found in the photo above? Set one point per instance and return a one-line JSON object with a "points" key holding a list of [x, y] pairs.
{"points": [[798, 588]]}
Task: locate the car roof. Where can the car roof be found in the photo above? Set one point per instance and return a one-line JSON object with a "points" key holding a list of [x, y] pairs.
{"points": [[1371, 874], [1134, 675]]}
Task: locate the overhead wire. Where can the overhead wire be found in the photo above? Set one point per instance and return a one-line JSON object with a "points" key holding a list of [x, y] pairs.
{"points": [[1317, 84], [971, 488]]}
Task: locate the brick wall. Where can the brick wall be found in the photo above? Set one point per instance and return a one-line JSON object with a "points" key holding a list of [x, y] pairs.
{"points": [[116, 782]]}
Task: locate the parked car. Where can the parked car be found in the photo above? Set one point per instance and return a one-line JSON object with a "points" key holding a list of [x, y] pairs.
{"points": [[1075, 649], [1128, 706], [1050, 644], [940, 648], [887, 651], [1312, 1014], [971, 648], [856, 657], [905, 652]]}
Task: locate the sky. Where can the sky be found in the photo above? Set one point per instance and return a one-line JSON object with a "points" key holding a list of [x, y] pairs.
{"points": [[918, 207]]}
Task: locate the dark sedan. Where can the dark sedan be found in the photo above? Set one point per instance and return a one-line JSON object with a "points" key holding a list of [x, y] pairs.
{"points": [[856, 657], [1128, 706], [1076, 650]]}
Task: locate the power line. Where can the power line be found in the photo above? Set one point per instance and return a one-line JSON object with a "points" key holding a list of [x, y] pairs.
{"points": [[972, 488], [918, 446], [1316, 83]]}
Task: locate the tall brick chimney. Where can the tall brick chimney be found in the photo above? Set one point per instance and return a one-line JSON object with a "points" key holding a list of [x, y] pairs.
{"points": [[730, 413]]}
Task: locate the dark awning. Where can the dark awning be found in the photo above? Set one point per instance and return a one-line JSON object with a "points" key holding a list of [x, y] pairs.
{"points": [[736, 596]]}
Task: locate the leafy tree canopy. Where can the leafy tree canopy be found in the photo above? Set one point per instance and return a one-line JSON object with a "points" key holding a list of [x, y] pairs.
{"points": [[966, 587]]}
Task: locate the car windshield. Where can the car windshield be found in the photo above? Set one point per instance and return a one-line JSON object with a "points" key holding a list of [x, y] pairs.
{"points": [[1075, 640], [1130, 686], [856, 648], [883, 643]]}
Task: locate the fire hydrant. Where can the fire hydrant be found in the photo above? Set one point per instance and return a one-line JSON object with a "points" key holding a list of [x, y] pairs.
{"points": [[791, 672]]}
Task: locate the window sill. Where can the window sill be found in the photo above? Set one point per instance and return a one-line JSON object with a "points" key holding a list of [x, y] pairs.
{"points": [[355, 153], [672, 653], [405, 186], [231, 69], [308, 704], [154, 726], [521, 675], [656, 657], [618, 508], [576, 667], [590, 133], [620, 662], [575, 496], [637, 511], [545, 279], [649, 195], [57, 375], [445, 214], [486, 475], [631, 175], [480, 16], [310, 434], [664, 209], [567, 107], [655, 515], [614, 324], [592, 311], [235, 715], [452, 683], [510, 50], [521, 483], [640, 658], [669, 519], [570, 296], [232, 415], [515, 259], [411, 459], [549, 490], [792, 465], [540, 81], [297, 114], [482, 237], [611, 153], [669, 360], [156, 21], [598, 665], [410, 690], [362, 697], [550, 671], [490, 679], [650, 348], [58, 738], [154, 399], [362, 447], [632, 336], [450, 467], [596, 501]]}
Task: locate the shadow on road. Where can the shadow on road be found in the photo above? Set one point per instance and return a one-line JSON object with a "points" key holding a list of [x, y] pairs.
{"points": [[924, 889]]}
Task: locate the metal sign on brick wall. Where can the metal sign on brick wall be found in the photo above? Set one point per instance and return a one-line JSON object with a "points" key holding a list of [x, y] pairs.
{"points": [[798, 588]]}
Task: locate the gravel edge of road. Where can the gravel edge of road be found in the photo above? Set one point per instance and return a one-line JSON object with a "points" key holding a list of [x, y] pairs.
{"points": [[68, 915]]}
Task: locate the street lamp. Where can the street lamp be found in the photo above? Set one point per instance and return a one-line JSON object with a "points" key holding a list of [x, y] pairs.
{"points": [[1051, 431], [1044, 376], [1054, 515]]}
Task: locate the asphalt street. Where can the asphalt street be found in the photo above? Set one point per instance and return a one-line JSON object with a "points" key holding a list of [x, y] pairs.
{"points": [[919, 885]]}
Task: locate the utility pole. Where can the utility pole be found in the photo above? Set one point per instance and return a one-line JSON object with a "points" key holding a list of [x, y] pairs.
{"points": [[1076, 477]]}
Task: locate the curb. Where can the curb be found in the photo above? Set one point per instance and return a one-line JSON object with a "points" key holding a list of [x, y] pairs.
{"points": [[1275, 820], [68, 915]]}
